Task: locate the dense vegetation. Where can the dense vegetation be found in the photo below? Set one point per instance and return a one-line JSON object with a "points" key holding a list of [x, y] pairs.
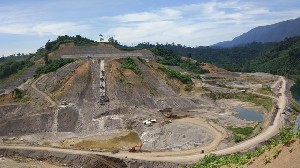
{"points": [[282, 59], [193, 67], [296, 91], [229, 58], [77, 40], [52, 66], [175, 74], [13, 64], [168, 57], [286, 136], [129, 63]]}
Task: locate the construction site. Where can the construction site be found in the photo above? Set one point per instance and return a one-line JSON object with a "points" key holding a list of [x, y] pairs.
{"points": [[95, 104]]}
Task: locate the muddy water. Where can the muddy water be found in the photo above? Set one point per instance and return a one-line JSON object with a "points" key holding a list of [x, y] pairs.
{"points": [[250, 115]]}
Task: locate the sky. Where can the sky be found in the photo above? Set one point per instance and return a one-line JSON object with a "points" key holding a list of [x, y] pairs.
{"points": [[26, 25]]}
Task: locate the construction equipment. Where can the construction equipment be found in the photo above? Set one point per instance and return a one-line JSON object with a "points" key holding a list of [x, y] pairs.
{"points": [[135, 148], [167, 112]]}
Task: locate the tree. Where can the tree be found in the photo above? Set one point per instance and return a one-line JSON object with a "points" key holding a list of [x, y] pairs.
{"points": [[46, 59], [101, 37], [48, 46], [112, 40]]}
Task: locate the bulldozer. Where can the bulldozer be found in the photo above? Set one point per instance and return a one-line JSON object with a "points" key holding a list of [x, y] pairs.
{"points": [[135, 148]]}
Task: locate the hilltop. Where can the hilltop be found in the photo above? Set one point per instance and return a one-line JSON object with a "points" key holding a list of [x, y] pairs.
{"points": [[270, 33]]}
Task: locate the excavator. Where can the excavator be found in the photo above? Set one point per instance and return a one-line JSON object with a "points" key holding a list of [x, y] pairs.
{"points": [[135, 148]]}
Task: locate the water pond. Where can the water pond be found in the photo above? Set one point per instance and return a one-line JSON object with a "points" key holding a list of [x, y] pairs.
{"points": [[249, 114], [296, 94]]}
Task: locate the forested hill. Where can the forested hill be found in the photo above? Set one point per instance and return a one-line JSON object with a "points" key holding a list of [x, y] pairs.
{"points": [[232, 59], [282, 58], [270, 33]]}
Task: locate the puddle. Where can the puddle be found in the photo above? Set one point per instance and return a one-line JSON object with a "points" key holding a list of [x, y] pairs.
{"points": [[250, 115]]}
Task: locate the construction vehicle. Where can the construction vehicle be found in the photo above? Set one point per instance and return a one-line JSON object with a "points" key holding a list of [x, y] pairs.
{"points": [[135, 148], [167, 112]]}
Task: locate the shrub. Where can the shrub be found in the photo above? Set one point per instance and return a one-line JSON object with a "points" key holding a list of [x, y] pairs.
{"points": [[129, 63], [188, 87], [52, 66], [174, 74]]}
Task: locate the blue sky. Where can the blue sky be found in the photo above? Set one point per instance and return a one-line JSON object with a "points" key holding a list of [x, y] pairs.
{"points": [[26, 25]]}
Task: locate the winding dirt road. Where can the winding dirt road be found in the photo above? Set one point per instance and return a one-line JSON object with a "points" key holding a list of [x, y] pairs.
{"points": [[47, 97], [188, 156]]}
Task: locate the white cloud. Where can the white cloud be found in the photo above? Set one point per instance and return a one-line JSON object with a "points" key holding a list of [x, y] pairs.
{"points": [[58, 28], [162, 14], [194, 24], [44, 28], [28, 22]]}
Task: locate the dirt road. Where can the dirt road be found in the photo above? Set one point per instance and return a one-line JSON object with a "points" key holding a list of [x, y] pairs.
{"points": [[47, 97], [193, 155]]}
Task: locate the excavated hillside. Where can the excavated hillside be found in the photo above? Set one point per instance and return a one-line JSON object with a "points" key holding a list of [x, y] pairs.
{"points": [[67, 102], [98, 103]]}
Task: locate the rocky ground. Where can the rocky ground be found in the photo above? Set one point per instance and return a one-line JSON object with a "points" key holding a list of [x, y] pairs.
{"points": [[77, 117]]}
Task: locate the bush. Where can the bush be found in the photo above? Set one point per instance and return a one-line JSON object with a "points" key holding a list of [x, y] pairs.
{"points": [[174, 74], [237, 138], [18, 94], [188, 87], [286, 135], [129, 63], [193, 67], [52, 66]]}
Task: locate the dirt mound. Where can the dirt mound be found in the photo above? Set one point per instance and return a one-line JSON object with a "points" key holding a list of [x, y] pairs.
{"points": [[288, 156]]}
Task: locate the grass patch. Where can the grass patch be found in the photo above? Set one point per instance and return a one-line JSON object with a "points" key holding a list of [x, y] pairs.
{"points": [[124, 81], [175, 74], [265, 90], [265, 102], [115, 143], [129, 63], [240, 133], [46, 143], [242, 130]]}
